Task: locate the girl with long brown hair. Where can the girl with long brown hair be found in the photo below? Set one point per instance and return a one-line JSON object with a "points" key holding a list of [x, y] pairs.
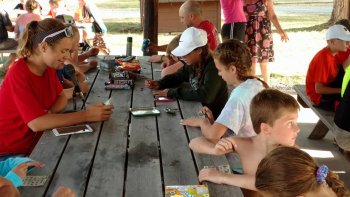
{"points": [[290, 172]]}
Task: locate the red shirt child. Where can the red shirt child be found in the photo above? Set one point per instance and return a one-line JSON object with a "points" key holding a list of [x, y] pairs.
{"points": [[323, 68], [24, 97]]}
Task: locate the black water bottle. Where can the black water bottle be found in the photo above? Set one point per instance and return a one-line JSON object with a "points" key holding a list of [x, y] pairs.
{"points": [[129, 46]]}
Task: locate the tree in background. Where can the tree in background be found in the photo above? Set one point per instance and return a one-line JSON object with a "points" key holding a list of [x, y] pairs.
{"points": [[341, 10]]}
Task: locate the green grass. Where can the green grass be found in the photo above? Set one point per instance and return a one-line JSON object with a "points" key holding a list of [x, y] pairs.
{"points": [[118, 4], [127, 25]]}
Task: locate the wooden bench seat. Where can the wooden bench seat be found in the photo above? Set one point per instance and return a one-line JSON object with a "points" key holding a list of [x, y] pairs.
{"points": [[326, 121], [6, 51]]}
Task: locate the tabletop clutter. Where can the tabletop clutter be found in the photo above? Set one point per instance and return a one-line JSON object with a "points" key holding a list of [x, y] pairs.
{"points": [[123, 70]]}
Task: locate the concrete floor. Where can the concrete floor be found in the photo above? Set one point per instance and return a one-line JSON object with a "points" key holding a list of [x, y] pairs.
{"points": [[324, 150]]}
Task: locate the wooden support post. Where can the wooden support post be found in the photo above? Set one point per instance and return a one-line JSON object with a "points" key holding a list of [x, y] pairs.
{"points": [[319, 131], [150, 21]]}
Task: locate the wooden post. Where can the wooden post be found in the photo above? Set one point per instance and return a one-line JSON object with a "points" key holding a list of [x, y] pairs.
{"points": [[341, 10], [150, 21]]}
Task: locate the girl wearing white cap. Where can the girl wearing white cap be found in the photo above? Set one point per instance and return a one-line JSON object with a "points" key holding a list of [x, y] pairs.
{"points": [[206, 85]]}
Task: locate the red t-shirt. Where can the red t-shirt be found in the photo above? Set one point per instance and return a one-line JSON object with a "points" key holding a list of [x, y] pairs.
{"points": [[323, 69], [212, 33], [342, 56], [24, 97]]}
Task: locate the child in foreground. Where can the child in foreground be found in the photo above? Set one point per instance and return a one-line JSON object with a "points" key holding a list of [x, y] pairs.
{"points": [[274, 116], [290, 172]]}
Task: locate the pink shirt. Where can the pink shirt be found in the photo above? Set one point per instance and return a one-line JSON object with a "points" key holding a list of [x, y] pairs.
{"points": [[233, 11], [23, 20]]}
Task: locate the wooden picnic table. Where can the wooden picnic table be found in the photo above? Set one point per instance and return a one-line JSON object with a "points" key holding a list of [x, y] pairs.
{"points": [[126, 155]]}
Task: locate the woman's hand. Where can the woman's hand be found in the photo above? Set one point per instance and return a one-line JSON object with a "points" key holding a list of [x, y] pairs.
{"points": [[98, 112], [284, 36]]}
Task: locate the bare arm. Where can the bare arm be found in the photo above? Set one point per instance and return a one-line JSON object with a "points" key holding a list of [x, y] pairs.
{"points": [[243, 181], [273, 17], [60, 104], [94, 113], [214, 131], [320, 88], [202, 145]]}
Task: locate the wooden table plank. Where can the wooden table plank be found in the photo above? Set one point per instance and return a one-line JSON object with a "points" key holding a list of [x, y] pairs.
{"points": [[187, 109], [75, 164], [143, 173], [48, 150], [111, 150], [177, 162]]}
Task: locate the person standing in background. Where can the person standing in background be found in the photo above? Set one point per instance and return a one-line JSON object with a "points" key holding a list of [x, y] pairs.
{"points": [[234, 20], [5, 41], [258, 34], [88, 13], [33, 9]]}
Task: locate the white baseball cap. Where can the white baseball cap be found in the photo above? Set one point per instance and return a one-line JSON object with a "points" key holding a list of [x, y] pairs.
{"points": [[190, 39], [338, 32]]}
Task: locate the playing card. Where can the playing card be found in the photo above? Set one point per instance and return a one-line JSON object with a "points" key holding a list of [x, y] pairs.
{"points": [[35, 180], [108, 102], [222, 168]]}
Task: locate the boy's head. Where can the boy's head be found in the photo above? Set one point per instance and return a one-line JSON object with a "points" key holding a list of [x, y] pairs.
{"points": [[338, 38], [275, 113]]}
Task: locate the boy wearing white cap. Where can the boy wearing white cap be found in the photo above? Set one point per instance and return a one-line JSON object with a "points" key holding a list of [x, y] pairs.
{"points": [[206, 85], [324, 76]]}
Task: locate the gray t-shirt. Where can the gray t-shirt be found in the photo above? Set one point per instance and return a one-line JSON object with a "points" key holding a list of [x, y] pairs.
{"points": [[4, 21], [235, 115]]}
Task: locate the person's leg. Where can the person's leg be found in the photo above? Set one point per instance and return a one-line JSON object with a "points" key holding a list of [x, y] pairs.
{"points": [[238, 31], [100, 44], [253, 69], [265, 72], [225, 31]]}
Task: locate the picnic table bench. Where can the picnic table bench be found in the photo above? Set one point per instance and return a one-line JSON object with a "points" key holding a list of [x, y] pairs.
{"points": [[126, 155], [326, 118]]}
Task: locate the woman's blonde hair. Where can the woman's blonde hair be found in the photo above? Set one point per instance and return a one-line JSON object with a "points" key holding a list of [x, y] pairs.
{"points": [[31, 5], [289, 172]]}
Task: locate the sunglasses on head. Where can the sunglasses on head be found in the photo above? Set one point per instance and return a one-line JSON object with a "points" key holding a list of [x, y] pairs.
{"points": [[68, 32]]}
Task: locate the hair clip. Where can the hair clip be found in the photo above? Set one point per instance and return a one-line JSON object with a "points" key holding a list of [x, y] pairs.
{"points": [[321, 174]]}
